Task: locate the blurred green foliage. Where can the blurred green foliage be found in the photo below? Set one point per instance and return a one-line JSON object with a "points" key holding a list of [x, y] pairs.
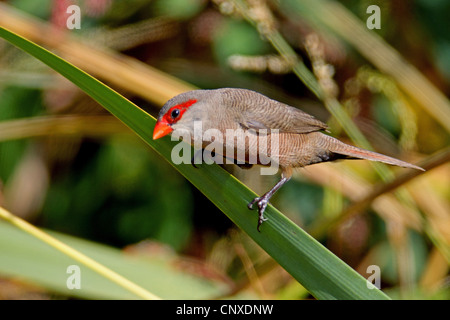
{"points": [[120, 192], [16, 103], [39, 8], [237, 37], [385, 116], [178, 9]]}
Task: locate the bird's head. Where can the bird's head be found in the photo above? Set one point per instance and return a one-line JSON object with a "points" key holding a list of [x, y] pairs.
{"points": [[181, 112]]}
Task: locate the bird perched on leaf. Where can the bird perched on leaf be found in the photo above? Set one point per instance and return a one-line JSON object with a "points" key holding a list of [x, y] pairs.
{"points": [[296, 138]]}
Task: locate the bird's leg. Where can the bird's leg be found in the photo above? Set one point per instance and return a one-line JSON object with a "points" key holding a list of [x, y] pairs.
{"points": [[195, 156], [243, 165], [263, 201]]}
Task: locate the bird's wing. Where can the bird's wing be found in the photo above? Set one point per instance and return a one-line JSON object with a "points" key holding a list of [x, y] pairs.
{"points": [[259, 112]]}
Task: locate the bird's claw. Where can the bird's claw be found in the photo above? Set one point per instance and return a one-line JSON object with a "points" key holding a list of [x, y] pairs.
{"points": [[194, 158], [251, 203], [261, 203]]}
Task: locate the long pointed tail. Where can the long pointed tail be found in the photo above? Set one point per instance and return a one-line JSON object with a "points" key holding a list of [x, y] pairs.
{"points": [[351, 152]]}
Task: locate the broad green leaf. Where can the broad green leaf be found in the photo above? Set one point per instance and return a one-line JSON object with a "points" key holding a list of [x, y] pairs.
{"points": [[30, 258], [323, 274]]}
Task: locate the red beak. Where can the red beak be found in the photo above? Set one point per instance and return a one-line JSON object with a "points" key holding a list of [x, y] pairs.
{"points": [[161, 129]]}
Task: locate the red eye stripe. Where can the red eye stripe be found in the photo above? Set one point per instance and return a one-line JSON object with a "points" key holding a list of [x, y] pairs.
{"points": [[182, 107]]}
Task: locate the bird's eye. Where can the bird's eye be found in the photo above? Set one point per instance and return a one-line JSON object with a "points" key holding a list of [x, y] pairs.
{"points": [[175, 113]]}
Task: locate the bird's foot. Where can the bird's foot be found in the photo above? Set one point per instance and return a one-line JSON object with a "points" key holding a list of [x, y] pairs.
{"points": [[195, 157], [193, 163], [261, 203]]}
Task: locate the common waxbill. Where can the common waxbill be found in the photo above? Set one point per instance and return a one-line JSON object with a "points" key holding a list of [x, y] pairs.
{"points": [[299, 140]]}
